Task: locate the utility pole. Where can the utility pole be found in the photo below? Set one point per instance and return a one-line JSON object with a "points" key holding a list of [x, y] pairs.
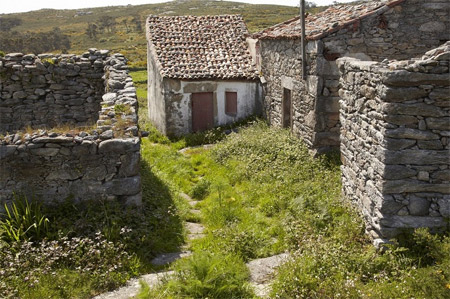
{"points": [[303, 40]]}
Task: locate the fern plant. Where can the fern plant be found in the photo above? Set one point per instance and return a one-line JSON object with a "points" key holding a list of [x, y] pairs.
{"points": [[23, 220]]}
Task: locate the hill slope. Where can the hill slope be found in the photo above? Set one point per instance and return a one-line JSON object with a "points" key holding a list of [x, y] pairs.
{"points": [[121, 28]]}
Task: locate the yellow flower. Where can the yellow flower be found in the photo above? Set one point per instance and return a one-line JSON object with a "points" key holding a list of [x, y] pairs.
{"points": [[447, 285]]}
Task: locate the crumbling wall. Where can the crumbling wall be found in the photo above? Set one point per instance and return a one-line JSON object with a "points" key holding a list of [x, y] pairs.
{"points": [[395, 141], [48, 90], [89, 162]]}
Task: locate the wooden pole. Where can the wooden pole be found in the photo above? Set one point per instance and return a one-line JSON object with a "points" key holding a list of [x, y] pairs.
{"points": [[303, 41]]}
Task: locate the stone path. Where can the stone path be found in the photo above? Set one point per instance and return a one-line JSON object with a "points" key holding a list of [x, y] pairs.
{"points": [[261, 270], [184, 151], [261, 273], [133, 286]]}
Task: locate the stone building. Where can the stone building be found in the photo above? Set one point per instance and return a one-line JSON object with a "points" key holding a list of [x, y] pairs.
{"points": [[374, 30], [395, 125], [200, 72]]}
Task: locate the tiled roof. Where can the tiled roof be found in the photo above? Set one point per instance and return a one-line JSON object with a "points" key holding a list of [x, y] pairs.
{"points": [[326, 22], [201, 47]]}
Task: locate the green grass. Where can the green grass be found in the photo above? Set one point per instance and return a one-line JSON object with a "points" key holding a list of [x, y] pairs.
{"points": [[261, 194]]}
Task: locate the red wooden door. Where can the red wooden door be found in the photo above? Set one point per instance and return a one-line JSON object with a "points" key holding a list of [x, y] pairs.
{"points": [[202, 111]]}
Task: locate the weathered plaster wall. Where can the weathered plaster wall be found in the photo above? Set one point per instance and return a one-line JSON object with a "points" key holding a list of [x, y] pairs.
{"points": [[155, 91], [178, 100], [96, 162], [395, 141]]}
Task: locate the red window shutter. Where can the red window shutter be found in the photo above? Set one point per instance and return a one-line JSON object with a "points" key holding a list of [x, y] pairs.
{"points": [[231, 102]]}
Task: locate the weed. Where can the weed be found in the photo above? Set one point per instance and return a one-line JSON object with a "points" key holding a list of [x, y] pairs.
{"points": [[23, 220], [205, 275], [201, 189]]}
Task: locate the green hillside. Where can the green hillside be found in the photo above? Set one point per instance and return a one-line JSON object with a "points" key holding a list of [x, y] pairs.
{"points": [[121, 28]]}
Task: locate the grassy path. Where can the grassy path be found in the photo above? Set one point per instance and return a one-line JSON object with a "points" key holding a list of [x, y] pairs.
{"points": [[259, 194]]}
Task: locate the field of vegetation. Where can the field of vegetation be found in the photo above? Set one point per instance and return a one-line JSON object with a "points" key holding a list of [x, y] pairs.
{"points": [[260, 194]]}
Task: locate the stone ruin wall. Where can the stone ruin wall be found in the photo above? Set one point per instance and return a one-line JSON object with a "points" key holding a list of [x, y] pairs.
{"points": [[395, 141], [406, 30], [47, 91], [69, 127]]}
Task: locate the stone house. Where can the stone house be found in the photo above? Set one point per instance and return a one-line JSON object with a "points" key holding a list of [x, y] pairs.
{"points": [[200, 72], [375, 30]]}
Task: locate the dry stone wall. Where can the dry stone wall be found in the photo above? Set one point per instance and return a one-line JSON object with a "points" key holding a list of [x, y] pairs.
{"points": [[47, 90], [99, 161], [395, 134], [282, 68]]}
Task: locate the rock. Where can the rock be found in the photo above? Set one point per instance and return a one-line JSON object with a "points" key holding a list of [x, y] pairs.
{"points": [[20, 95], [430, 144], [389, 206], [444, 206], [108, 134], [262, 270], [404, 78], [392, 94], [443, 175], [413, 109], [7, 150], [124, 186], [418, 157], [46, 152], [167, 258], [119, 145], [398, 144], [418, 206], [411, 134], [442, 123], [397, 172], [433, 26], [402, 186], [412, 222], [130, 164]]}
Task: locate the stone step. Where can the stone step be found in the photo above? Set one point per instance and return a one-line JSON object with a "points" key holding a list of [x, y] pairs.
{"points": [[195, 230], [133, 286], [261, 273], [167, 258]]}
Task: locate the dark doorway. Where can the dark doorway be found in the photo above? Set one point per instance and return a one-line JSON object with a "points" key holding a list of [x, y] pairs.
{"points": [[287, 108], [202, 111]]}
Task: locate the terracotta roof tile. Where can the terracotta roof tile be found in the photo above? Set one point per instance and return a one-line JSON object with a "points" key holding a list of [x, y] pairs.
{"points": [[326, 22], [201, 47]]}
